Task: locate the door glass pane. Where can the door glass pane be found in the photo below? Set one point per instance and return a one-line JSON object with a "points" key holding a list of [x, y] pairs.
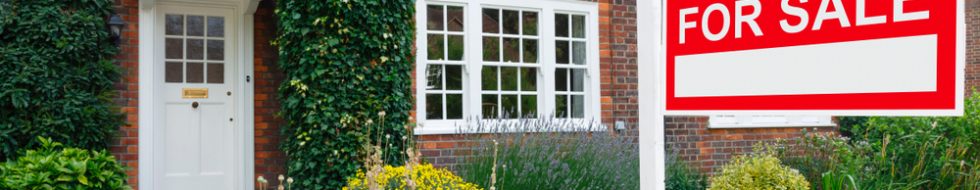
{"points": [[491, 21], [508, 78], [455, 47], [561, 106], [530, 23], [216, 73], [561, 52], [529, 79], [173, 72], [529, 106], [455, 18], [195, 25], [490, 107], [509, 103], [195, 49], [578, 106], [175, 24], [433, 106], [491, 49], [561, 79], [454, 106], [489, 78], [578, 26], [216, 26], [530, 51], [174, 48], [578, 80], [511, 22], [454, 77], [434, 77], [434, 15], [436, 47], [216, 50], [578, 53], [561, 25], [512, 50], [195, 72]]}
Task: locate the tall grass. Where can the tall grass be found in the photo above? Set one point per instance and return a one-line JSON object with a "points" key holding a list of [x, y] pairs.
{"points": [[550, 154]]}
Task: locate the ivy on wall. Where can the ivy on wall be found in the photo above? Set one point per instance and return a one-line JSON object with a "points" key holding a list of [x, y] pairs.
{"points": [[56, 74], [344, 62]]}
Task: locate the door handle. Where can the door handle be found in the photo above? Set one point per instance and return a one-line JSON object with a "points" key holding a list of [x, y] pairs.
{"points": [[194, 105]]}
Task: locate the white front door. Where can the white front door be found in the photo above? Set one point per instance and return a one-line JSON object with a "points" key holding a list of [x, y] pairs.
{"points": [[197, 138]]}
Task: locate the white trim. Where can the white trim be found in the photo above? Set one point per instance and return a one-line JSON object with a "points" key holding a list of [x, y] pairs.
{"points": [[148, 10], [473, 60], [650, 68], [768, 121]]}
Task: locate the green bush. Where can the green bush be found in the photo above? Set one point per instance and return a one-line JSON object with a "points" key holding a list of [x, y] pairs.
{"points": [[682, 176], [344, 61], [56, 74], [760, 170], [55, 167]]}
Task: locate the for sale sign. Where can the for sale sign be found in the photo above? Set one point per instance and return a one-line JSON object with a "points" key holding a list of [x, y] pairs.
{"points": [[841, 57]]}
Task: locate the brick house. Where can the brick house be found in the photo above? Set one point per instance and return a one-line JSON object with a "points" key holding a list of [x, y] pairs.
{"points": [[571, 59]]}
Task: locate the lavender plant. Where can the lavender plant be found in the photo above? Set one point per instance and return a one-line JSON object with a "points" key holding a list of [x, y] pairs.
{"points": [[549, 154]]}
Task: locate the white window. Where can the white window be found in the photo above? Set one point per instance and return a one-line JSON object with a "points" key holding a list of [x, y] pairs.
{"points": [[506, 59], [768, 121]]}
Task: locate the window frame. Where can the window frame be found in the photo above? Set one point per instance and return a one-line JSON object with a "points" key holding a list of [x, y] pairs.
{"points": [[768, 121], [473, 59]]}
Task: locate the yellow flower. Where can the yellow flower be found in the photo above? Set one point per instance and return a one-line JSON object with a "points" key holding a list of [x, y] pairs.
{"points": [[425, 176]]}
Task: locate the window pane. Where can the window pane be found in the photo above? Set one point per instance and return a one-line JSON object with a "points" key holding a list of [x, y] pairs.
{"points": [[578, 80], [530, 51], [195, 49], [490, 78], [491, 21], [436, 47], [490, 107], [175, 24], [216, 26], [512, 50], [433, 77], [174, 48], [578, 26], [529, 106], [195, 25], [435, 17], [508, 78], [529, 79], [454, 77], [491, 49], [173, 72], [561, 25], [216, 73], [511, 22], [530, 23], [455, 18], [578, 106], [216, 50], [578, 53], [433, 106], [455, 47], [509, 108], [561, 106], [561, 52], [195, 72], [454, 106], [561, 80]]}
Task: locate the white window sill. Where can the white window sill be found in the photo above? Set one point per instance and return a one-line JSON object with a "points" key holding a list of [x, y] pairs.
{"points": [[773, 125], [464, 127]]}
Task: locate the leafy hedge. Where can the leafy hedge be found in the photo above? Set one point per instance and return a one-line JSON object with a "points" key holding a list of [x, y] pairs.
{"points": [[56, 167], [343, 60], [56, 74]]}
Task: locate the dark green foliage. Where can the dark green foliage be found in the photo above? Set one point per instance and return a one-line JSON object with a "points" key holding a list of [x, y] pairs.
{"points": [[55, 167], [56, 74], [682, 176], [343, 60]]}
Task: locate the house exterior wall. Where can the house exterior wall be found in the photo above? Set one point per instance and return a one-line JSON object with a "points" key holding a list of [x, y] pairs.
{"points": [[269, 160], [126, 144]]}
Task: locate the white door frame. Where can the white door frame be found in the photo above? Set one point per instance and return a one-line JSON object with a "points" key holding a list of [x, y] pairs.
{"points": [[148, 31]]}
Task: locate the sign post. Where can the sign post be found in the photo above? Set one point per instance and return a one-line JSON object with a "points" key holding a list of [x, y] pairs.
{"points": [[795, 57]]}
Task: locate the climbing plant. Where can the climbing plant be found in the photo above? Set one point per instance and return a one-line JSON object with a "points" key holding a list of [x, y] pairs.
{"points": [[345, 61], [56, 74]]}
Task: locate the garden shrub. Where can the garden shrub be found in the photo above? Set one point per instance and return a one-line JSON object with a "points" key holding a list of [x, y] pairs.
{"points": [[343, 60], [56, 74], [549, 154], [56, 167], [682, 176], [760, 170], [424, 176]]}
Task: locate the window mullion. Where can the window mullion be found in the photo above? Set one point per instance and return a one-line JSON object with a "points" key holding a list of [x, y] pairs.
{"points": [[546, 55], [474, 58]]}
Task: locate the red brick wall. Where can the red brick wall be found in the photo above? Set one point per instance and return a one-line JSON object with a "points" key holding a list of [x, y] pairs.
{"points": [[125, 145], [973, 45], [269, 160]]}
